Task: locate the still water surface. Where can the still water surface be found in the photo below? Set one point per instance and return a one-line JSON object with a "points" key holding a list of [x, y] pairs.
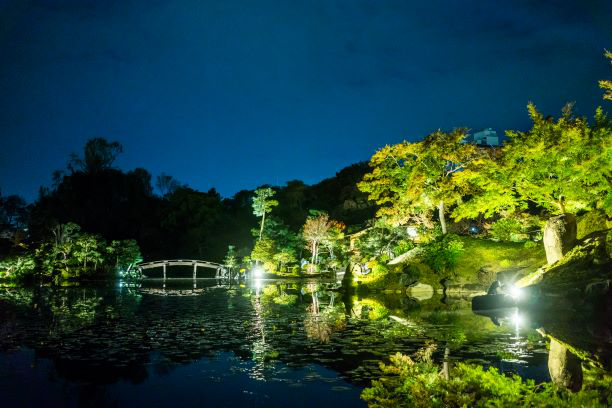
{"points": [[264, 344]]}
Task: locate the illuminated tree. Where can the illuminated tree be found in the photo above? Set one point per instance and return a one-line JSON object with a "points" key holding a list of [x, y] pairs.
{"points": [[562, 166], [88, 249], [17, 267], [410, 178], [264, 251], [315, 231], [126, 254], [263, 204], [284, 257], [334, 238], [231, 259]]}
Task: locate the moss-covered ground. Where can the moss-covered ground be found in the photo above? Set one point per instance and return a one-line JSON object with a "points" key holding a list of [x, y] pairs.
{"points": [[494, 257], [478, 264]]}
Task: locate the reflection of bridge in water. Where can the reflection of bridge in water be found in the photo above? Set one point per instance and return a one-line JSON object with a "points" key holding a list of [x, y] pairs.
{"points": [[220, 270]]}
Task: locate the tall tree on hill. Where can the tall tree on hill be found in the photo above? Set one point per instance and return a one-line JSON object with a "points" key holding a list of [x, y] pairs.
{"points": [[263, 204], [99, 154], [166, 184]]}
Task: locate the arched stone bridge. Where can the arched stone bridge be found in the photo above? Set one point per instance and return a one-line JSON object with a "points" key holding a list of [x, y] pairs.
{"points": [[221, 271]]}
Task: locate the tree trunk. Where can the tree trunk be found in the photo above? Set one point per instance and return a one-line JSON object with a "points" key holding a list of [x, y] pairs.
{"points": [[263, 219], [561, 205], [446, 364], [312, 258], [442, 219]]}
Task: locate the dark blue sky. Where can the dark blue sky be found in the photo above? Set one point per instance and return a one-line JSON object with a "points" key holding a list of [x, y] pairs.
{"points": [[235, 94]]}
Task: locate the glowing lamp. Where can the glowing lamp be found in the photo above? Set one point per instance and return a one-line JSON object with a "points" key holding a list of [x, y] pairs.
{"points": [[258, 272], [516, 293]]}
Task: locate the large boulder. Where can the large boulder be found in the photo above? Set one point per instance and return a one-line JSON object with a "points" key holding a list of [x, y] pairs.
{"points": [[564, 367], [559, 236]]}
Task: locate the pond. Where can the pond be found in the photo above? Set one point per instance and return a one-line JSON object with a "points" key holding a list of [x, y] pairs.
{"points": [[262, 344]]}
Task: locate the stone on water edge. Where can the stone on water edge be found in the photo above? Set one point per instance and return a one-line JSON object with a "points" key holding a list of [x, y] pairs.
{"points": [[559, 236], [564, 367]]}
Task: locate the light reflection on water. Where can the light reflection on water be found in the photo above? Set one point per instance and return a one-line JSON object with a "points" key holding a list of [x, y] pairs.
{"points": [[265, 344]]}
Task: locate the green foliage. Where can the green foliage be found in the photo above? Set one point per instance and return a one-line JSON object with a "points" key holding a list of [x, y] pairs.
{"points": [[73, 255], [264, 251], [17, 267], [442, 254], [285, 299], [263, 204], [262, 201], [606, 85], [506, 229], [383, 238], [418, 382], [127, 255], [590, 222], [408, 179], [562, 165], [231, 259], [284, 257], [286, 243], [530, 245]]}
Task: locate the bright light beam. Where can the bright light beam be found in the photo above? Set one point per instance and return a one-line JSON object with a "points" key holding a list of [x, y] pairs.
{"points": [[516, 293], [258, 272]]}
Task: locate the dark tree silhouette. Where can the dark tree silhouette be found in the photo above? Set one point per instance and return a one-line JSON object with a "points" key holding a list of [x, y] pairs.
{"points": [[99, 154], [166, 184]]}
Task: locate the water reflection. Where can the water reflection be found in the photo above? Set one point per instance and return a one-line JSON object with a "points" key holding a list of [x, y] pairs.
{"points": [[283, 332]]}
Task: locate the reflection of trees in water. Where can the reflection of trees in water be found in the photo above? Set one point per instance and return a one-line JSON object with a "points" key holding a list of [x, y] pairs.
{"points": [[320, 322], [260, 348], [101, 336]]}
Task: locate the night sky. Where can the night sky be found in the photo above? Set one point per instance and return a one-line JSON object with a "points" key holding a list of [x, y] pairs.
{"points": [[235, 94]]}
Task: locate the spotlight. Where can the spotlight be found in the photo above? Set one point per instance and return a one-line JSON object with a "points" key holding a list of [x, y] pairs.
{"points": [[516, 293], [258, 272]]}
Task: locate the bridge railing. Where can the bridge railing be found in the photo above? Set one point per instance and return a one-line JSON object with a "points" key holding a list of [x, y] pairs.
{"points": [[182, 262]]}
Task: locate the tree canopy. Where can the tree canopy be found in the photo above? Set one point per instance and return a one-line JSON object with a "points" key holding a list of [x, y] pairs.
{"points": [[410, 178], [559, 165]]}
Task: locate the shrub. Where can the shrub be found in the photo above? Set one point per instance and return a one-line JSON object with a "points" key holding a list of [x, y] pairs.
{"points": [[506, 229], [417, 382], [285, 299], [442, 254], [530, 244], [17, 267]]}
